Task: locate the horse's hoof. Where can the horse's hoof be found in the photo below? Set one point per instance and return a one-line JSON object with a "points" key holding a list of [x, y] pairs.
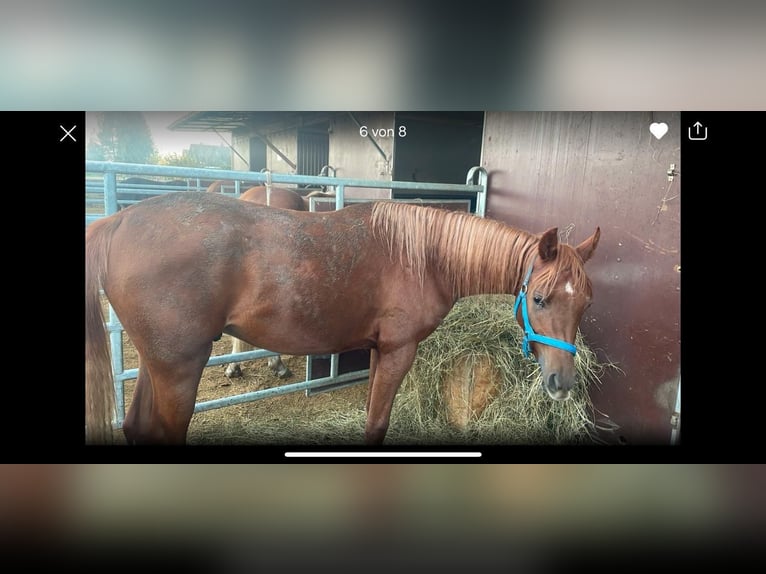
{"points": [[284, 373], [233, 371]]}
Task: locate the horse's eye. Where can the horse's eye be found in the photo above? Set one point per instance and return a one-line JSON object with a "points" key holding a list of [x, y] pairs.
{"points": [[538, 299]]}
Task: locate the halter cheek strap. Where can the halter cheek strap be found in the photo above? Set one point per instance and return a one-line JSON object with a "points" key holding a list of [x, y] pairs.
{"points": [[529, 332]]}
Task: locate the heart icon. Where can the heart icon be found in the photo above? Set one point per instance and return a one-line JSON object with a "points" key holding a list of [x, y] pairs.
{"points": [[658, 129]]}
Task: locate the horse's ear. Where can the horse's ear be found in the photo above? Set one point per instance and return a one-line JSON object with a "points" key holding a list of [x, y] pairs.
{"points": [[587, 247], [549, 244]]}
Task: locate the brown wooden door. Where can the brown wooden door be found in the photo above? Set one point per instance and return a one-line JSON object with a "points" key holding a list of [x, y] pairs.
{"points": [[579, 170]]}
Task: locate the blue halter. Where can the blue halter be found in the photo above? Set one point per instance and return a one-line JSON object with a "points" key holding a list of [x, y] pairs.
{"points": [[529, 332]]}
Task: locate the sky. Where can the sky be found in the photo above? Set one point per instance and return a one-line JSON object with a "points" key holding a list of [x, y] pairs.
{"points": [[173, 141], [165, 140]]}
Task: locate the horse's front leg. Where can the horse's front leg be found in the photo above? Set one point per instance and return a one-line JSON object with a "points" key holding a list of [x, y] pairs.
{"points": [[373, 367], [390, 370]]}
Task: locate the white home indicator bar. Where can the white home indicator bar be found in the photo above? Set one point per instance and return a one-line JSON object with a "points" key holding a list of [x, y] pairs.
{"points": [[385, 454]]}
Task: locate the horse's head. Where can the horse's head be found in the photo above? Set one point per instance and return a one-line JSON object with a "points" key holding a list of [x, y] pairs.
{"points": [[553, 297]]}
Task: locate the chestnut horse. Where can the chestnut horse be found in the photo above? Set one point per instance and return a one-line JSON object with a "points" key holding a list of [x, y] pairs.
{"points": [[180, 269], [275, 197]]}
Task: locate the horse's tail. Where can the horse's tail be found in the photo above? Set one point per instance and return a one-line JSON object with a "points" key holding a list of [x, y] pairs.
{"points": [[99, 381]]}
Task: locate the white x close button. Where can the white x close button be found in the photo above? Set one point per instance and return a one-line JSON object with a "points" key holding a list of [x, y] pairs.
{"points": [[67, 133]]}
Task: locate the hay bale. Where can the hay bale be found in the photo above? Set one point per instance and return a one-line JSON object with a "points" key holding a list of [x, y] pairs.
{"points": [[468, 389]]}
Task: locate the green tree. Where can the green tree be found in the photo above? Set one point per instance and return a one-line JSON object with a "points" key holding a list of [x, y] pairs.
{"points": [[199, 155], [179, 160], [122, 136]]}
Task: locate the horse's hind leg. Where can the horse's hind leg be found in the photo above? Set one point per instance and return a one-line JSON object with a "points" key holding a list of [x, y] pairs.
{"points": [[275, 363], [237, 346], [389, 372], [136, 423], [164, 400], [279, 368]]}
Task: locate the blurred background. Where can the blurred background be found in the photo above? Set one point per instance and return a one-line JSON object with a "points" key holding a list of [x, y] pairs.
{"points": [[553, 55], [361, 55], [537, 518]]}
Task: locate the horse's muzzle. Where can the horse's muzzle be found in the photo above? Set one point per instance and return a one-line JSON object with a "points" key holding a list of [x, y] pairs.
{"points": [[556, 389]]}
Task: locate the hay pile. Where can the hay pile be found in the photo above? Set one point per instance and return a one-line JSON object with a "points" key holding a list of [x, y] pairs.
{"points": [[481, 331]]}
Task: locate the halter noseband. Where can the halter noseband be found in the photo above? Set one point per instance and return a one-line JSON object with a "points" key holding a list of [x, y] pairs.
{"points": [[529, 332]]}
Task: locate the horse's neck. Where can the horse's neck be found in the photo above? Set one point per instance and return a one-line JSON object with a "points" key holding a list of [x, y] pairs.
{"points": [[498, 271], [470, 255]]}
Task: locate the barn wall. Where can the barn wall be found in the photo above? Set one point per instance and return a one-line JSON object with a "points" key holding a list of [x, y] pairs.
{"points": [[287, 142], [607, 170], [354, 156]]}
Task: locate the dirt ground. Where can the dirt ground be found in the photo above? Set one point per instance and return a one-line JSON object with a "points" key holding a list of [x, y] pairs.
{"points": [[271, 420]]}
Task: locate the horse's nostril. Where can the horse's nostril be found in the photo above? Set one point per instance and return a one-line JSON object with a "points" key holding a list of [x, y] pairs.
{"points": [[556, 387]]}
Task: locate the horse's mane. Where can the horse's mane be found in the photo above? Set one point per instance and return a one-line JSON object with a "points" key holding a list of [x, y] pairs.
{"points": [[477, 255]]}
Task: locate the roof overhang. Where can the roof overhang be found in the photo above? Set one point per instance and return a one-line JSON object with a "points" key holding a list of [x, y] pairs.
{"points": [[262, 122]]}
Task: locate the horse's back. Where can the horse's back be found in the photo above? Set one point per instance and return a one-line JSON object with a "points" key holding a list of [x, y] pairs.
{"points": [[209, 239], [202, 264], [195, 213]]}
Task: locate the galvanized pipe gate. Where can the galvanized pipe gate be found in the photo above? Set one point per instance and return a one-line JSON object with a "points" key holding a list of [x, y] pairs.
{"points": [[476, 182]]}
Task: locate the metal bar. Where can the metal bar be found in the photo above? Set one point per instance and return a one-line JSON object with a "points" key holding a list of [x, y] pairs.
{"points": [[340, 193], [326, 170], [275, 391], [481, 196], [115, 343], [416, 200], [103, 166], [335, 386], [110, 193], [335, 383], [309, 364], [212, 362], [231, 147], [334, 365], [275, 149], [677, 418], [115, 337], [149, 187]]}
